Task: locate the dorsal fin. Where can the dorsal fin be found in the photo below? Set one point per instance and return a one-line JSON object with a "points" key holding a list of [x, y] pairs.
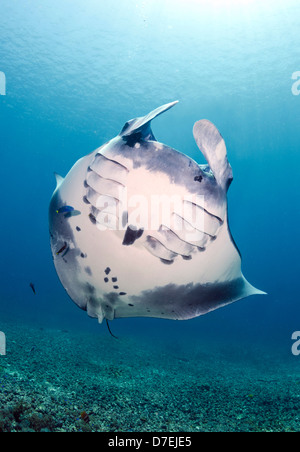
{"points": [[212, 146], [141, 126], [59, 180]]}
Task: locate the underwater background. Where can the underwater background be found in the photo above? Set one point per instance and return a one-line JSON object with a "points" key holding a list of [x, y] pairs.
{"points": [[75, 72]]}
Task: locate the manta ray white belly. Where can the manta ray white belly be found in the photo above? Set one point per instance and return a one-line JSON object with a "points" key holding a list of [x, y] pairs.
{"points": [[139, 229]]}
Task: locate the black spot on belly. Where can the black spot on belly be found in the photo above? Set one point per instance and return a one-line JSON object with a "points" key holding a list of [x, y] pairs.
{"points": [[83, 255], [198, 178], [107, 271], [106, 280], [122, 293], [88, 271], [78, 228], [116, 287], [129, 304], [131, 235], [114, 279]]}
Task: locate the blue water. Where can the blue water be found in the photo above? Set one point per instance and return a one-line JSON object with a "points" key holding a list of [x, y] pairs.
{"points": [[77, 71]]}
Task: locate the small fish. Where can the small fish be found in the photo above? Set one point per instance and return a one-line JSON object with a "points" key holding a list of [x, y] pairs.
{"points": [[65, 209], [33, 288], [61, 249], [84, 416], [73, 213]]}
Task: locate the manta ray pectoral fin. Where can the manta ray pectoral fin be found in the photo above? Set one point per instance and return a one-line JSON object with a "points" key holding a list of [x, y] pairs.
{"points": [[141, 126], [59, 180], [212, 146], [251, 290]]}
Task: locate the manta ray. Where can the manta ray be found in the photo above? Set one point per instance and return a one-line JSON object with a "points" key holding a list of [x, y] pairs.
{"points": [[139, 229]]}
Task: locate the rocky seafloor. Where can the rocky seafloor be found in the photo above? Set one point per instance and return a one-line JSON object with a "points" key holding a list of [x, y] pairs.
{"points": [[66, 381]]}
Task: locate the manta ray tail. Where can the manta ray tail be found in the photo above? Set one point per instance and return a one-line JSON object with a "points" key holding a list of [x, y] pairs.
{"points": [[110, 330]]}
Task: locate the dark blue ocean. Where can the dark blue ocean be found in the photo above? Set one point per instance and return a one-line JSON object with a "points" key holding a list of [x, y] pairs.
{"points": [[72, 74]]}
